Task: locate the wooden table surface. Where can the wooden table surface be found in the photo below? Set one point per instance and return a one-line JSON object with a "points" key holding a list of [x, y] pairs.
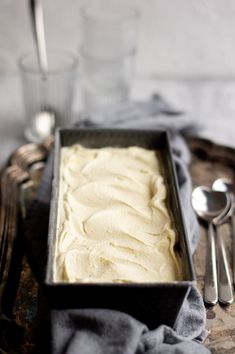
{"points": [[214, 161]]}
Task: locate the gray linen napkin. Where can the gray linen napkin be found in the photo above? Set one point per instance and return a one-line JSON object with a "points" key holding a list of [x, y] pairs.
{"points": [[106, 331]]}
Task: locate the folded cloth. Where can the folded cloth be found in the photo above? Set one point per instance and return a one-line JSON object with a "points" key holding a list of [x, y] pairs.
{"points": [[106, 331]]}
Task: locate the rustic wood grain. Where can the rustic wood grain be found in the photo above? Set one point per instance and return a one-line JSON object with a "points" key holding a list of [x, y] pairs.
{"points": [[209, 162]]}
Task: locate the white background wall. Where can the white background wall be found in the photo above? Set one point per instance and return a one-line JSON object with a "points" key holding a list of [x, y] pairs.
{"points": [[177, 38]]}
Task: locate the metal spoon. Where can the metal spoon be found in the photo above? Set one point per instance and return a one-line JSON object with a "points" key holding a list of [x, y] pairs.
{"points": [[227, 185], [224, 279], [213, 207], [224, 185], [44, 121]]}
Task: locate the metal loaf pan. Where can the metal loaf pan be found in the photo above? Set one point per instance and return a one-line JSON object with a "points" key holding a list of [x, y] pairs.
{"points": [[155, 303]]}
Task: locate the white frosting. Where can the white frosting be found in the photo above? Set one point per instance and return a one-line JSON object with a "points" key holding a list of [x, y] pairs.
{"points": [[113, 224]]}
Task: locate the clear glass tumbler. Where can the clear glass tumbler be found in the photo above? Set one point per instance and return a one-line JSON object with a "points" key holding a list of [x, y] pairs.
{"points": [[47, 97], [107, 54], [105, 82]]}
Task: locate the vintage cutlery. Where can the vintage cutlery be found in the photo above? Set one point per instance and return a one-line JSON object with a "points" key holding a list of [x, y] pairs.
{"points": [[224, 278], [19, 183], [213, 207], [11, 179], [45, 119], [227, 185], [31, 158]]}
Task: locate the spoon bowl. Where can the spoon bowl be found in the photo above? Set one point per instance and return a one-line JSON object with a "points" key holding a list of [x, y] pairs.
{"points": [[224, 185], [210, 205]]}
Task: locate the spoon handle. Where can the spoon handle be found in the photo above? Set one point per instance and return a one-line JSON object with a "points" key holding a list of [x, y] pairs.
{"points": [[232, 228], [224, 279], [210, 288], [38, 30]]}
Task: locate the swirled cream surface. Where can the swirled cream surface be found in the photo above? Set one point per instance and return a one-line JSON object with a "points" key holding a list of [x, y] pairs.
{"points": [[113, 224]]}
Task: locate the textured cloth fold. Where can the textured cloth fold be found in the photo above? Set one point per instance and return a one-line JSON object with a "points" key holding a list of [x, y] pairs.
{"points": [[106, 331]]}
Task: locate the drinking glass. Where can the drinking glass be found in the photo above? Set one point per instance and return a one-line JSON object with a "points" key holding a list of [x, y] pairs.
{"points": [[107, 55], [49, 96]]}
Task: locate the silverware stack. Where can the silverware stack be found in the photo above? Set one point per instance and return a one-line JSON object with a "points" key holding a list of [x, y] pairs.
{"points": [[216, 206], [19, 183], [29, 158]]}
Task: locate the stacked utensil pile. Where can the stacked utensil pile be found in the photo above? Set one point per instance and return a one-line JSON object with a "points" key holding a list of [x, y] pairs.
{"points": [[19, 182], [216, 206]]}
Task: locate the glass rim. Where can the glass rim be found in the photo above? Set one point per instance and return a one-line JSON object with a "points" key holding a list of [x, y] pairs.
{"points": [[51, 72], [131, 13]]}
